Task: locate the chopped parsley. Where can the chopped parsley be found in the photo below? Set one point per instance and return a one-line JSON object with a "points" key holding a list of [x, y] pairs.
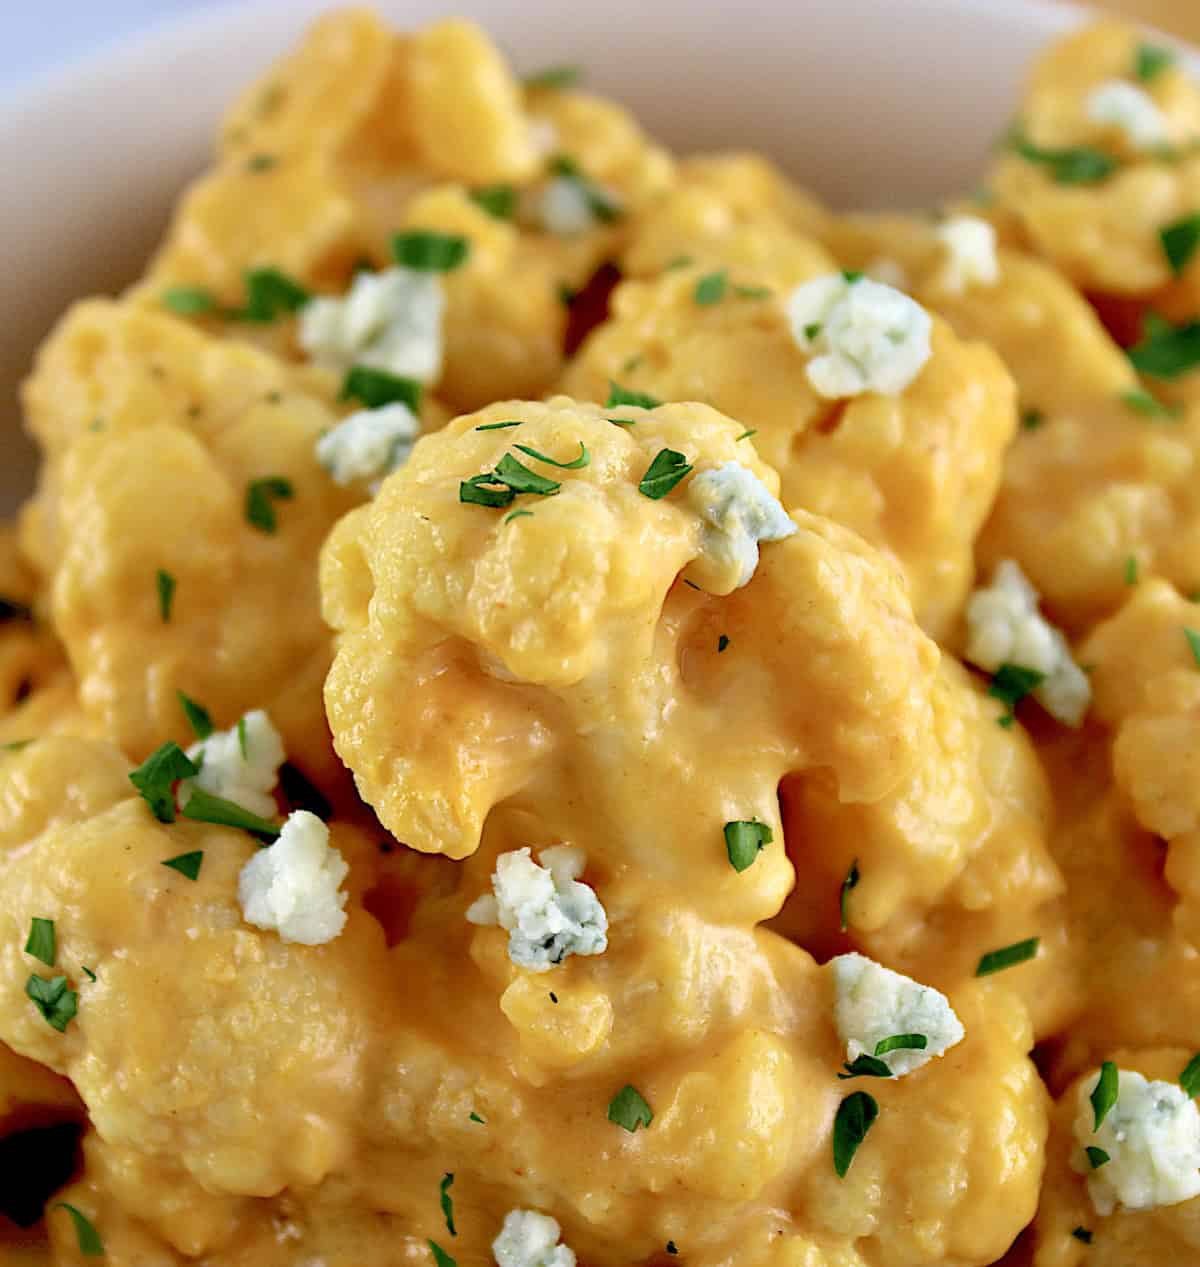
{"points": [[87, 972], [812, 330], [554, 77], [1150, 61], [499, 201], [376, 388], [440, 1257], [197, 716], [672, 1248], [1179, 241], [499, 426], [849, 883], [744, 840], [476, 1118], [86, 1236], [1140, 400], [600, 203], [1189, 1079], [1071, 165], [259, 496], [1104, 1095], [1193, 641], [1007, 956], [581, 461], [269, 294], [855, 1116], [485, 490], [711, 288], [203, 807], [752, 431], [261, 162], [51, 997], [678, 261], [518, 514], [242, 741], [1166, 350], [42, 943], [517, 476], [156, 777], [566, 294], [865, 1066], [1082, 1234], [752, 292], [187, 864], [618, 395], [429, 252], [628, 1108], [667, 469], [189, 301], [1010, 684], [722, 643], [851, 275], [1031, 419], [901, 1042], [448, 1201], [166, 593], [1131, 570], [1097, 1156]]}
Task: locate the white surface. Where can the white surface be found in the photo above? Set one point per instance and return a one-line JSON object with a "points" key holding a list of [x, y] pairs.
{"points": [[865, 101]]}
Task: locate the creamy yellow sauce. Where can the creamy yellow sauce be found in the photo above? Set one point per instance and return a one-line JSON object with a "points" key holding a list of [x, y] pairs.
{"points": [[459, 668]]}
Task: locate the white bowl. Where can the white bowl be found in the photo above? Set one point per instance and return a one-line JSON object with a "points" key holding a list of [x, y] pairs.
{"points": [[868, 102]]}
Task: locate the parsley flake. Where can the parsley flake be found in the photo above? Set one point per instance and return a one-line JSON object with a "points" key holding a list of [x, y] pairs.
{"points": [[901, 1042], [1010, 684], [51, 997], [1131, 570], [1082, 1234], [1140, 400], [667, 469], [850, 882], [476, 1118], [1193, 641], [156, 777], [1150, 61], [197, 716], [261, 162], [1097, 1156], [1179, 241], [752, 292], [376, 388], [243, 742], [485, 490], [1031, 419], [722, 643], [1007, 957], [166, 594], [269, 294], [554, 77], [865, 1066], [517, 476], [1071, 165], [440, 1257], [855, 1116], [42, 943], [618, 395], [711, 288], [187, 864], [499, 201], [1104, 1094], [429, 252], [203, 807], [1165, 350], [499, 426], [753, 431], [447, 1201], [259, 496], [851, 275], [189, 301], [677, 261], [744, 840], [86, 1236], [628, 1109], [672, 1248], [1189, 1079], [87, 972], [581, 461], [518, 514]]}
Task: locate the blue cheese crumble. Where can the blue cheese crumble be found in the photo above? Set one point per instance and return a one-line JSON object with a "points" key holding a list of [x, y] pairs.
{"points": [[1131, 111], [873, 1003], [1152, 1138], [864, 336], [1004, 626], [970, 247], [293, 886], [530, 1239], [548, 913], [387, 321], [239, 765], [738, 511], [369, 444]]}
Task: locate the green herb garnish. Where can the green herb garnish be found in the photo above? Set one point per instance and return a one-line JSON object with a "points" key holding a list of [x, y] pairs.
{"points": [[1031, 419], [429, 252], [711, 288], [1150, 61], [187, 864], [259, 496], [901, 1042], [376, 388], [1097, 1156], [447, 1201], [189, 301], [1072, 165], [601, 204], [1179, 241], [86, 1236], [753, 431], [865, 1066], [722, 643], [269, 294], [518, 514], [1137, 398], [440, 1257], [87, 972], [554, 77], [156, 777], [485, 490], [855, 1116], [628, 1108], [581, 461], [165, 583], [499, 426], [197, 716], [1007, 957], [851, 275], [51, 997], [752, 292], [850, 882], [42, 943], [744, 840], [667, 469], [1131, 570], [1189, 1079], [618, 395], [1010, 684], [261, 162], [1165, 350], [499, 201], [521, 479], [203, 807], [476, 1118], [1104, 1094], [1082, 1234], [1193, 641]]}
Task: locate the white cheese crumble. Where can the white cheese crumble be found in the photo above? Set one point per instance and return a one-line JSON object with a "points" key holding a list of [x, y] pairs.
{"points": [[530, 1239], [867, 337], [387, 321], [292, 886], [1122, 105], [872, 1003], [564, 208], [369, 444], [548, 913], [1152, 1138], [1004, 626], [247, 779], [738, 511], [970, 245]]}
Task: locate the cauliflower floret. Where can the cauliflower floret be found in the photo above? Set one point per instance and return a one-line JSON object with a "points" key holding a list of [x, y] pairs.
{"points": [[869, 337], [530, 1239], [739, 511], [387, 321], [1152, 1138], [369, 444], [1119, 104], [240, 764], [549, 914], [873, 1004], [292, 886], [1004, 626], [970, 253]]}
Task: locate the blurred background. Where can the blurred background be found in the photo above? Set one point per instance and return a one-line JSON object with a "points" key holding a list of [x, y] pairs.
{"points": [[39, 35]]}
